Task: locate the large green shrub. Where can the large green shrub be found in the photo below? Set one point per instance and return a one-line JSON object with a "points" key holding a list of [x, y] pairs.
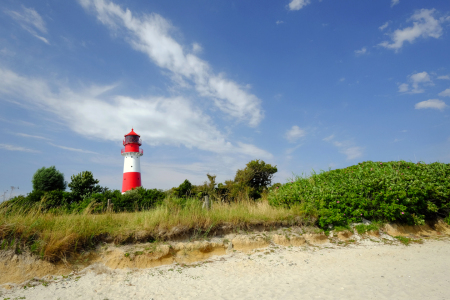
{"points": [[48, 179], [392, 191]]}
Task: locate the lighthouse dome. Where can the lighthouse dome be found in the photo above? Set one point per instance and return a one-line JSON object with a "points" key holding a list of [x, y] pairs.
{"points": [[132, 138]]}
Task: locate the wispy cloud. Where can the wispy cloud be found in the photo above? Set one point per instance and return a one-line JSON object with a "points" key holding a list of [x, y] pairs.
{"points": [[29, 20], [279, 22], [17, 148], [345, 147], [445, 93], [394, 2], [362, 51], [294, 134], [168, 121], [150, 34], [31, 136], [298, 4], [417, 81], [444, 77], [424, 25], [197, 48], [73, 149], [431, 103], [384, 26]]}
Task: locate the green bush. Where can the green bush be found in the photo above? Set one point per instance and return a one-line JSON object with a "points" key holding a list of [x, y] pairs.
{"points": [[83, 185], [53, 199], [394, 191], [48, 179], [184, 190]]}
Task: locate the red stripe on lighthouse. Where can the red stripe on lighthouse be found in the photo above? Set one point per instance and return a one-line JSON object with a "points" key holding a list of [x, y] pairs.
{"points": [[131, 180]]}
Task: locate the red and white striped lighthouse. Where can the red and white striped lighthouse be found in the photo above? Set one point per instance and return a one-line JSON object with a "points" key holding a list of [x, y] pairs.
{"points": [[131, 165]]}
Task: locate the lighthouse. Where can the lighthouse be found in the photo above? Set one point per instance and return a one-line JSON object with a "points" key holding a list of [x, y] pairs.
{"points": [[131, 164]]}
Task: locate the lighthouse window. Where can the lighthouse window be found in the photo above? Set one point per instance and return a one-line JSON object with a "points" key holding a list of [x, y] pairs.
{"points": [[132, 139]]}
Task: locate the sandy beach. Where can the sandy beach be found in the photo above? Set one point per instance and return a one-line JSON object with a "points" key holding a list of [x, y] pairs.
{"points": [[365, 270]]}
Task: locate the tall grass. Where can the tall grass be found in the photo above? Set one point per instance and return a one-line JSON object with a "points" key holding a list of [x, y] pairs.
{"points": [[55, 236]]}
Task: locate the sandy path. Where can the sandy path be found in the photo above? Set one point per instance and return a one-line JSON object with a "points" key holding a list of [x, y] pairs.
{"points": [[419, 271]]}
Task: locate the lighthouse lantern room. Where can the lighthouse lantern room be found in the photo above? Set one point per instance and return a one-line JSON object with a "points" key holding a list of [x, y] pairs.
{"points": [[131, 165]]}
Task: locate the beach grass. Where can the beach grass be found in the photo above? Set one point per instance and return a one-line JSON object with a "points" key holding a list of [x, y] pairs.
{"points": [[56, 235]]}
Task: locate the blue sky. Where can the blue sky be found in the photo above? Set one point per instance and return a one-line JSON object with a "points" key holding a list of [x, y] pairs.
{"points": [[212, 84]]}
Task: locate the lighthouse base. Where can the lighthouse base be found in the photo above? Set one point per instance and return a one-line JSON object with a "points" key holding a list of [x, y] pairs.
{"points": [[131, 180]]}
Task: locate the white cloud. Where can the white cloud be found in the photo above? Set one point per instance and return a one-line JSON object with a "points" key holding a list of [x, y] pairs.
{"points": [[361, 52], [352, 152], [31, 136], [384, 26], [159, 120], [432, 103], [394, 2], [444, 77], [279, 22], [150, 35], [298, 4], [445, 93], [294, 133], [29, 20], [342, 79], [424, 25], [403, 88], [418, 80], [17, 148]]}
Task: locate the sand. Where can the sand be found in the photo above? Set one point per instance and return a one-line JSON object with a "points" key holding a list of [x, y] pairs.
{"points": [[363, 270]]}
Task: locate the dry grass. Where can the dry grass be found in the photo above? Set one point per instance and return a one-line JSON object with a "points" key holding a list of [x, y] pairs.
{"points": [[55, 236]]}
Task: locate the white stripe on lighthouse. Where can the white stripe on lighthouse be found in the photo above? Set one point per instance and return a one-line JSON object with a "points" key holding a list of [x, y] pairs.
{"points": [[132, 162]]}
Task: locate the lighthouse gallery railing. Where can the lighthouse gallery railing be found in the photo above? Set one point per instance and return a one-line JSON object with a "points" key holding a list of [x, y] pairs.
{"points": [[141, 151]]}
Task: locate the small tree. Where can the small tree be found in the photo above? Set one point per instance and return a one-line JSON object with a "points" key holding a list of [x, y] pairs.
{"points": [[184, 189], [208, 188], [84, 184], [48, 179], [257, 176]]}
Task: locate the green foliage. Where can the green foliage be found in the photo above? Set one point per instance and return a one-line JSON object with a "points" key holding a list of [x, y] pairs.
{"points": [[406, 241], [362, 228], [257, 176], [447, 220], [48, 179], [393, 192], [251, 182], [83, 185], [184, 190], [53, 199], [208, 188], [133, 200]]}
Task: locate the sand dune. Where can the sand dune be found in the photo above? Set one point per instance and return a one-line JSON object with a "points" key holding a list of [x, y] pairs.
{"points": [[366, 270]]}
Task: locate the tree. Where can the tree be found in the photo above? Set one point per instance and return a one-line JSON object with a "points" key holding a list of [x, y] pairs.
{"points": [[48, 179], [184, 189], [208, 188], [257, 176], [84, 184]]}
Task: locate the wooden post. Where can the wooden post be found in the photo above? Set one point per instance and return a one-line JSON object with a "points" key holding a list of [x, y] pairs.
{"points": [[207, 203], [109, 206]]}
